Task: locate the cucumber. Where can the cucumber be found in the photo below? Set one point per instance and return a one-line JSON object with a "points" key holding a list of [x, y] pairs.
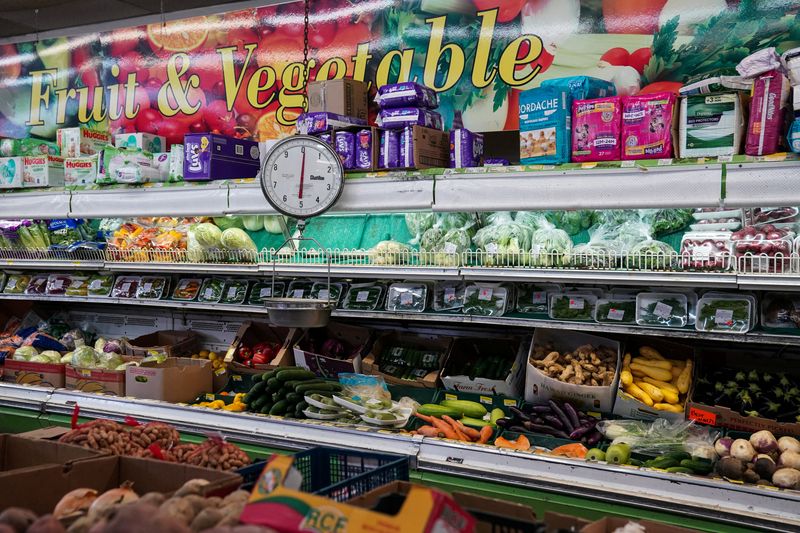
{"points": [[266, 376], [266, 408], [273, 384], [662, 462], [260, 402], [700, 467], [678, 456], [289, 375], [294, 397], [257, 389], [279, 408], [299, 408], [679, 470], [333, 387], [466, 407], [475, 422], [635, 462], [432, 409]]}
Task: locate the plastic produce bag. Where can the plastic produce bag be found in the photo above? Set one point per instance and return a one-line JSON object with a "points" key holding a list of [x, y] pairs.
{"points": [[368, 391], [659, 436], [419, 223], [443, 247], [390, 253], [665, 221], [550, 247], [602, 251], [573, 222], [504, 241]]}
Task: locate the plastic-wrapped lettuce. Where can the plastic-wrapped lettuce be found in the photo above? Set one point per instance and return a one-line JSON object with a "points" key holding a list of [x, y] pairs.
{"points": [[235, 239], [207, 234], [651, 254], [253, 222], [615, 217], [504, 241], [390, 253], [550, 247], [228, 222], [602, 251], [665, 221], [573, 222], [443, 248], [272, 224], [466, 222], [419, 223]]}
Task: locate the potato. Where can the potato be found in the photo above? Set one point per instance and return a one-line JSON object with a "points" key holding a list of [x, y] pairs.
{"points": [[179, 509], [19, 519], [81, 525], [153, 498], [206, 519], [193, 486], [46, 524], [236, 496], [198, 502]]}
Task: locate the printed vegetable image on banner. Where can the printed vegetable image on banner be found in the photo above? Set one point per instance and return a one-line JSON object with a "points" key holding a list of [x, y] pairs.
{"points": [[241, 73]]}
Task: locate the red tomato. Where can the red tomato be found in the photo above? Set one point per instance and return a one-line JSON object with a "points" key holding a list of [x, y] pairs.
{"points": [[661, 87], [632, 16], [508, 9], [639, 59], [619, 57]]}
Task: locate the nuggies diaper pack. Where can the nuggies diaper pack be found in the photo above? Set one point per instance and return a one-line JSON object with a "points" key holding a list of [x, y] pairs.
{"points": [[596, 126], [545, 117], [647, 124]]}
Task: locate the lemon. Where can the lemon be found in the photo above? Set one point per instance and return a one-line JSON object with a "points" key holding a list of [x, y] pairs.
{"points": [[213, 356]]}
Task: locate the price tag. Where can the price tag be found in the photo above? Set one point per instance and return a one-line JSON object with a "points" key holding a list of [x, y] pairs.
{"points": [[210, 398], [702, 416], [662, 310], [539, 297], [362, 296], [725, 159], [450, 248], [491, 248], [536, 250], [236, 377], [616, 314], [701, 254], [723, 317], [664, 162], [12, 284], [231, 293], [324, 294], [94, 285], [485, 294], [628, 164], [58, 283], [449, 295], [265, 292], [298, 293], [576, 303], [146, 287], [406, 298], [486, 399], [450, 397], [125, 287], [208, 294], [508, 402], [76, 283]]}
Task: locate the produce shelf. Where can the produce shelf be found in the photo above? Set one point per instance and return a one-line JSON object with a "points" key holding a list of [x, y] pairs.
{"points": [[35, 204], [187, 199], [766, 183], [744, 505]]}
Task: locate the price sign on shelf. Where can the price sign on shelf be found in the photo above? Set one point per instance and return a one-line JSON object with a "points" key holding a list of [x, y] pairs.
{"points": [[539, 297], [723, 317], [406, 298], [449, 295], [702, 416], [485, 293], [576, 303], [616, 314], [362, 296], [265, 292]]}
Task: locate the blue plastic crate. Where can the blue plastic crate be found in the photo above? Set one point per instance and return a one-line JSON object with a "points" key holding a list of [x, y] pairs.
{"points": [[339, 474]]}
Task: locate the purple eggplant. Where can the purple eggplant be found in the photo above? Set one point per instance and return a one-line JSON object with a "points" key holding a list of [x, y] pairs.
{"points": [[554, 422], [541, 409], [572, 414], [519, 414], [547, 430], [594, 438], [502, 422], [517, 429], [581, 431], [561, 416]]}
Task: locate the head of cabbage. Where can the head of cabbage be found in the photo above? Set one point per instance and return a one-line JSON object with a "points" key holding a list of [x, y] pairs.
{"points": [[110, 360], [25, 353], [52, 356], [207, 235], [237, 239], [85, 357]]}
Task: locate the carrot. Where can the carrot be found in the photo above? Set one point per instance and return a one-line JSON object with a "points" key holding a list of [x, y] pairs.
{"points": [[460, 434], [429, 431], [471, 433], [485, 434], [441, 425], [575, 451]]}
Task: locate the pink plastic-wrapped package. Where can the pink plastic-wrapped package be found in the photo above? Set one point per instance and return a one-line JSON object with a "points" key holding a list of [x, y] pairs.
{"points": [[596, 128], [647, 123], [765, 125]]}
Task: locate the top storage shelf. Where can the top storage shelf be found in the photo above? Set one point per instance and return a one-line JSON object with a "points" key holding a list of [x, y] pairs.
{"points": [[737, 182]]}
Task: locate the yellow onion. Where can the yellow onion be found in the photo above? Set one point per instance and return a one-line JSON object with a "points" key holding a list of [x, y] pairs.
{"points": [[119, 496], [75, 501]]}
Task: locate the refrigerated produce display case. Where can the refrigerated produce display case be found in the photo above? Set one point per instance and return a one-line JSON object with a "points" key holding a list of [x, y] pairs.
{"points": [[569, 281]]}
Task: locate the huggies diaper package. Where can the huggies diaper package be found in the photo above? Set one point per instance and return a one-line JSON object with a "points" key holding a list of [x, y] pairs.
{"points": [[596, 128], [647, 126]]}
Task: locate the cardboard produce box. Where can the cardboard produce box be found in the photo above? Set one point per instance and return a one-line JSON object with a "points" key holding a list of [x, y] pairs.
{"points": [[610, 524], [251, 333], [176, 380], [434, 344], [111, 382], [472, 350], [28, 373], [626, 406], [169, 343], [540, 388], [343, 96], [554, 522], [431, 149], [276, 502], [18, 452], [40, 488], [355, 338]]}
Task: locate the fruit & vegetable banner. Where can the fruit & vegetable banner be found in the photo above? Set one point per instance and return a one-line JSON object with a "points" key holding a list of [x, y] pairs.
{"points": [[241, 73]]}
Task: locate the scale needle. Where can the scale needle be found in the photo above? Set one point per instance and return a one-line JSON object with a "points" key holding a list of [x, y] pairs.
{"points": [[302, 173]]}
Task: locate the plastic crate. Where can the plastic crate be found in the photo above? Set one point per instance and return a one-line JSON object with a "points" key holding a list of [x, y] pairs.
{"points": [[339, 474]]}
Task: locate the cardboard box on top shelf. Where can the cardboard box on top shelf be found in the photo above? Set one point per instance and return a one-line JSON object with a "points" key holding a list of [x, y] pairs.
{"points": [[555, 522], [251, 333], [471, 348], [277, 503], [355, 338], [610, 524], [431, 149], [17, 452], [169, 342], [25, 488], [176, 380], [435, 343], [343, 96], [539, 388], [626, 405], [29, 373]]}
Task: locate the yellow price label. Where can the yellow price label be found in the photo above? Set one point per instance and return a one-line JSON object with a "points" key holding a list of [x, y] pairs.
{"points": [[588, 165], [210, 397], [450, 397], [508, 402], [236, 377], [487, 400]]}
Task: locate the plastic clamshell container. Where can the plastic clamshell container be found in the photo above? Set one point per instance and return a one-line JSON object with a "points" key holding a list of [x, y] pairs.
{"points": [[617, 292], [261, 290], [126, 286], [597, 291], [319, 405], [407, 297], [715, 316], [187, 288], [37, 284], [100, 285], [619, 310], [716, 226], [57, 284], [234, 291], [669, 309], [321, 290], [78, 286], [299, 288], [580, 306], [486, 300], [363, 297], [533, 298], [737, 295], [16, 283], [717, 214], [448, 295], [707, 250], [780, 310], [152, 288], [211, 290]]}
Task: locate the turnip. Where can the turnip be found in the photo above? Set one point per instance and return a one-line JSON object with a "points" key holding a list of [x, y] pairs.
{"points": [[723, 446], [764, 466], [786, 478], [789, 459], [789, 443], [763, 441], [742, 450]]}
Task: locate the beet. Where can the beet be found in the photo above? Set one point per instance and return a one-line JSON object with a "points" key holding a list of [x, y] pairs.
{"points": [[333, 348]]}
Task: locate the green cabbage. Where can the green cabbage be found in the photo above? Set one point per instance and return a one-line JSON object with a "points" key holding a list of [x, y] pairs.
{"points": [[272, 224], [253, 223], [110, 360], [237, 239], [84, 357], [25, 353], [40, 359], [52, 355], [229, 222], [66, 358], [390, 253], [208, 235]]}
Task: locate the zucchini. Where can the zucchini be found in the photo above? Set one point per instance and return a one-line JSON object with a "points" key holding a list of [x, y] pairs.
{"points": [[664, 462], [279, 408], [289, 375], [432, 409], [299, 408], [678, 456], [273, 384], [475, 422], [679, 470], [266, 376], [260, 402], [294, 397], [700, 467], [333, 387], [467, 408]]}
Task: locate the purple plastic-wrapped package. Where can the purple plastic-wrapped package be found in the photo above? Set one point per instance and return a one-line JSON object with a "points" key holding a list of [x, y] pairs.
{"points": [[407, 147], [364, 149], [326, 137], [466, 148], [212, 156], [496, 162], [408, 94], [311, 123], [408, 116], [346, 148], [389, 149]]}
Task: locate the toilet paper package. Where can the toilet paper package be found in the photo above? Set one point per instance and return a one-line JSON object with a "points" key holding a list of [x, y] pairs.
{"points": [[648, 121], [711, 124], [596, 128]]}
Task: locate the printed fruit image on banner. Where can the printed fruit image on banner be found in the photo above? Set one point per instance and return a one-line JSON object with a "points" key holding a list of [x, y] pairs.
{"points": [[241, 73]]}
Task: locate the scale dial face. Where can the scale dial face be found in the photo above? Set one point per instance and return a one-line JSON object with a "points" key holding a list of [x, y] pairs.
{"points": [[302, 176]]}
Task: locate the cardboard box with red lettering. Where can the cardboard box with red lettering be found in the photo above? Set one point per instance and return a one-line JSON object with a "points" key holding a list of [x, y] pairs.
{"points": [[39, 374], [314, 350], [277, 503], [427, 353], [176, 380], [472, 360]]}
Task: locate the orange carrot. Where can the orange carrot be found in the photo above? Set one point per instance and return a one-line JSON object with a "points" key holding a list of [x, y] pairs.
{"points": [[460, 434], [485, 434], [472, 433], [441, 425], [429, 431]]}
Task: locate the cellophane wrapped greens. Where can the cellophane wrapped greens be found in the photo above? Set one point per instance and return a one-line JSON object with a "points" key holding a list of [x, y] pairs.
{"points": [[504, 241]]}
